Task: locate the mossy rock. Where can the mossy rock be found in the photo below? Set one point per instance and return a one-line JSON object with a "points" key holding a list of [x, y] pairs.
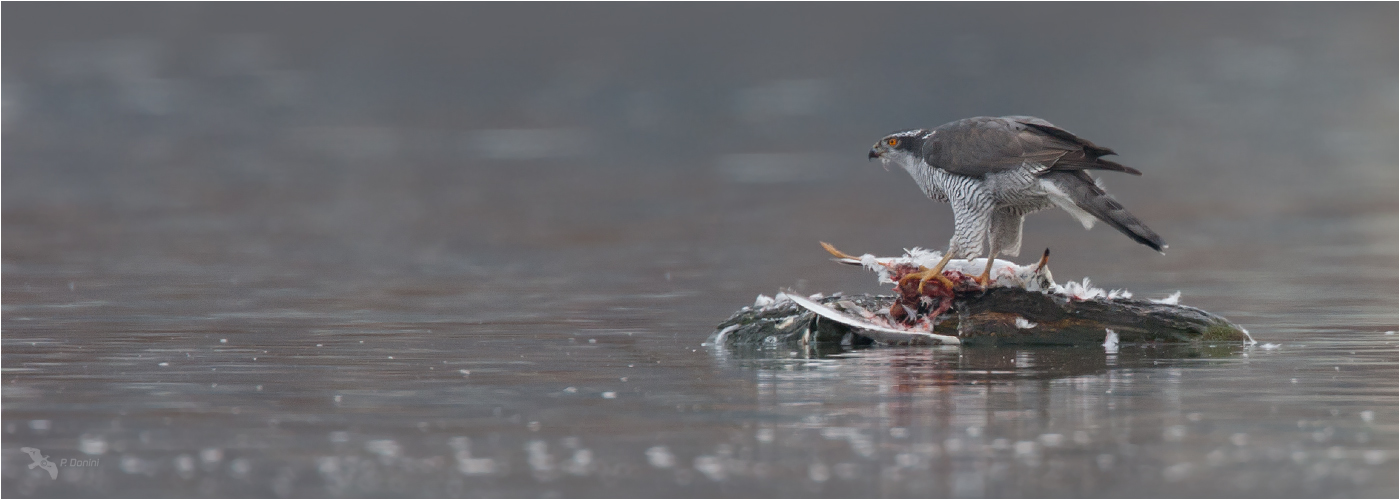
{"points": [[989, 318]]}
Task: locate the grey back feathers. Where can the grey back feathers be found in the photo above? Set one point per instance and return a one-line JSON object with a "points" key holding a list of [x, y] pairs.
{"points": [[984, 144], [995, 170]]}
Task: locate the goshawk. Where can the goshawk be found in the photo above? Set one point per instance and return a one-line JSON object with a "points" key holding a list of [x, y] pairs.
{"points": [[994, 171]]}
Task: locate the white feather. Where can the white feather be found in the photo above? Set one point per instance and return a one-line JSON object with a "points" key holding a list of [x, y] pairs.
{"points": [[1062, 200], [1171, 300]]}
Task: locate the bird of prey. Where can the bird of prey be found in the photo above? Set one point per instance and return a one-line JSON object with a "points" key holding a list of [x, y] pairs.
{"points": [[995, 170]]}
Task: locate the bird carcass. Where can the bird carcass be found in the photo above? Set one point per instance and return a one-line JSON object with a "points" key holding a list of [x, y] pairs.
{"points": [[1020, 305]]}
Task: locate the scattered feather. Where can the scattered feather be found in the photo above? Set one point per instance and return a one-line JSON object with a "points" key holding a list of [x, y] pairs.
{"points": [[1171, 300], [1079, 290], [1024, 324]]}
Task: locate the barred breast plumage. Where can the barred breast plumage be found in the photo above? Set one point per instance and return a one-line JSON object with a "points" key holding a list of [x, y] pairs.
{"points": [[997, 202]]}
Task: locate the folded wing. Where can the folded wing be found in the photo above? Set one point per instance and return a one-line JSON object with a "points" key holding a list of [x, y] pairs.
{"points": [[978, 146]]}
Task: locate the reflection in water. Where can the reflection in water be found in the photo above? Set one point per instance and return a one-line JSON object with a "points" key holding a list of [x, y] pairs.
{"points": [[955, 421], [599, 411]]}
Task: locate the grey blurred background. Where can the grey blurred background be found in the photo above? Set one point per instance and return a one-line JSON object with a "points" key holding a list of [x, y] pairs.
{"points": [[391, 122], [692, 147], [418, 134]]}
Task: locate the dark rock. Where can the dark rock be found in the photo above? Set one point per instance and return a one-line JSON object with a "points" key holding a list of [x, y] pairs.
{"points": [[986, 319]]}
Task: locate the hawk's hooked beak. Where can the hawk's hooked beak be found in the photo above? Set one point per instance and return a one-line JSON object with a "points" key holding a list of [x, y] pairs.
{"points": [[877, 152]]}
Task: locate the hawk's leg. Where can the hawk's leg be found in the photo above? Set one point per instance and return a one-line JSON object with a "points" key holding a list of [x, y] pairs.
{"points": [[1003, 237], [986, 278], [993, 244], [975, 221]]}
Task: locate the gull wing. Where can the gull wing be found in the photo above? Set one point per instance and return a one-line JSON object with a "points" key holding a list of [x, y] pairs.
{"points": [[875, 332]]}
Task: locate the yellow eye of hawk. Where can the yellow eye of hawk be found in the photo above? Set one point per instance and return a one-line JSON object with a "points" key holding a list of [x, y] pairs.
{"points": [[892, 141]]}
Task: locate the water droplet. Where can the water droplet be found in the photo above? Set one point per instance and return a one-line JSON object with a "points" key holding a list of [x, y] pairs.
{"points": [[710, 466], [241, 467], [1025, 448], [764, 435], [184, 464], [92, 444], [660, 457]]}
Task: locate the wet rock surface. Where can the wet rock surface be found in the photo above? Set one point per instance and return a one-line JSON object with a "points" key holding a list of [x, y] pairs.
{"points": [[1000, 316]]}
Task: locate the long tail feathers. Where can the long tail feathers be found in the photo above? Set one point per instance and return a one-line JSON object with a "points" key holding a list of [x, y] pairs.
{"points": [[1089, 197], [1102, 164]]}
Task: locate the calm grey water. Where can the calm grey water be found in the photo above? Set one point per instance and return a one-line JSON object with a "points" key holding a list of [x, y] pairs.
{"points": [[377, 251]]}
